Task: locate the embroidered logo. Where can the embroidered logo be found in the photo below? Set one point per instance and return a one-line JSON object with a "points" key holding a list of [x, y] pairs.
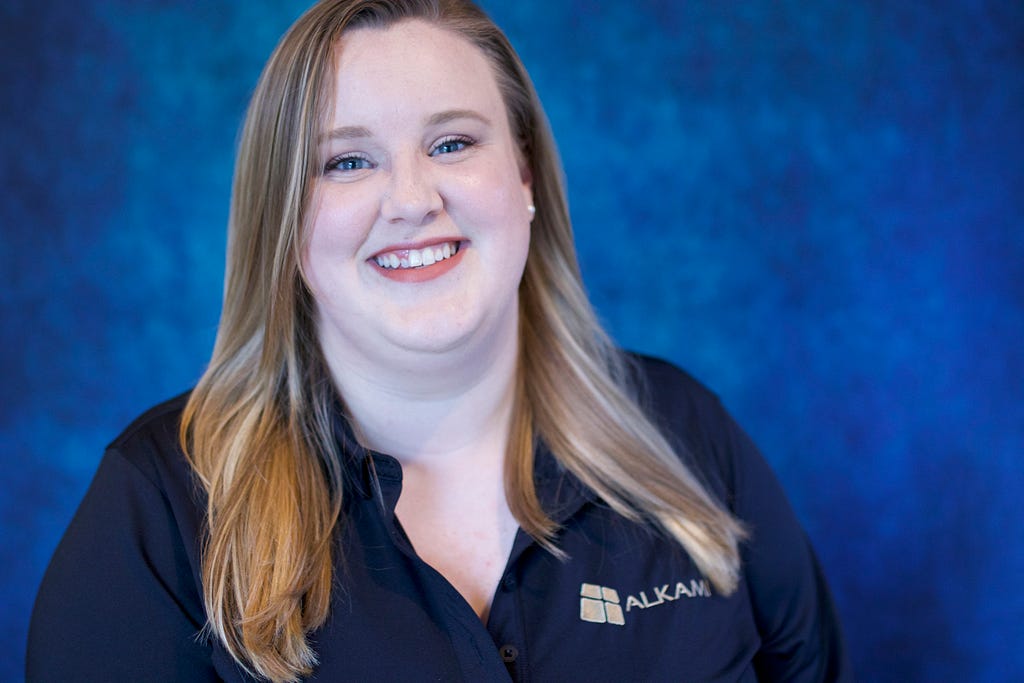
{"points": [[600, 605], [668, 593]]}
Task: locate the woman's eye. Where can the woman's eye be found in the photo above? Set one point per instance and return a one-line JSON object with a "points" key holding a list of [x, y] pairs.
{"points": [[348, 163], [449, 145]]}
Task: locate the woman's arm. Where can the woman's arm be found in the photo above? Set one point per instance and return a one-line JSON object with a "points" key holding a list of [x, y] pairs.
{"points": [[796, 617], [119, 601]]}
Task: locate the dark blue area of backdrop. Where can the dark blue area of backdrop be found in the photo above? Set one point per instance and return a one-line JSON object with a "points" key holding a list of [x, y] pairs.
{"points": [[815, 207]]}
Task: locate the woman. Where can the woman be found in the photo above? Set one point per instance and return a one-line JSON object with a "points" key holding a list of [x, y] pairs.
{"points": [[415, 455]]}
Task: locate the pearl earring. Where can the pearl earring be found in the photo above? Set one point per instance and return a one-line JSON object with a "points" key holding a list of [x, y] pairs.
{"points": [[532, 209]]}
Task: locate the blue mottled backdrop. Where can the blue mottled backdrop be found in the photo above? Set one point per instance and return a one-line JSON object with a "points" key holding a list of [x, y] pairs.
{"points": [[815, 207]]}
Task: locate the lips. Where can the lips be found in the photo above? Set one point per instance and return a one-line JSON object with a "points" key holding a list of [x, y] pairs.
{"points": [[405, 259]]}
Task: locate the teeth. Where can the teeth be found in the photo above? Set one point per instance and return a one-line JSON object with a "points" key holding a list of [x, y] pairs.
{"points": [[417, 258]]}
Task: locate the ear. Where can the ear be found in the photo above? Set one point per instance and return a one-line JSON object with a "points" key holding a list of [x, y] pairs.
{"points": [[524, 169], [527, 180]]}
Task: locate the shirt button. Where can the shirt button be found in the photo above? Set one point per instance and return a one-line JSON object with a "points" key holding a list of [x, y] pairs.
{"points": [[509, 582], [509, 653]]}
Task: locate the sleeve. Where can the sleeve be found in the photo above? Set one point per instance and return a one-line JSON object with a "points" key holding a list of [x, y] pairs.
{"points": [[119, 601], [793, 608]]}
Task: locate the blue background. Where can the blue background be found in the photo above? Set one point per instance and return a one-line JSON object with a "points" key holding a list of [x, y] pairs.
{"points": [[815, 207]]}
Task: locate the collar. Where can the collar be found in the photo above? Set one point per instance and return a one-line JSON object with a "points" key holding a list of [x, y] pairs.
{"points": [[560, 492], [364, 469]]}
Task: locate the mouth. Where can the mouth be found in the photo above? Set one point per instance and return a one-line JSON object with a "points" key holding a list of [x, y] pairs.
{"points": [[409, 259]]}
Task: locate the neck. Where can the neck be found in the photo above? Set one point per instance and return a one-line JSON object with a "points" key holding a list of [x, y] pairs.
{"points": [[430, 409]]}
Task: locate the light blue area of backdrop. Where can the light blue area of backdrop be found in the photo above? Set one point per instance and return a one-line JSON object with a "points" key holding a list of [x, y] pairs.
{"points": [[815, 207]]}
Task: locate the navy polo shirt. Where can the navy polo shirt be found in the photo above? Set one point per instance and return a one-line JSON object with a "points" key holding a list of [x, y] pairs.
{"points": [[121, 599]]}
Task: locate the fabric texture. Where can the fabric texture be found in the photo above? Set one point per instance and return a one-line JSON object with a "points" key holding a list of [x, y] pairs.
{"points": [[121, 599]]}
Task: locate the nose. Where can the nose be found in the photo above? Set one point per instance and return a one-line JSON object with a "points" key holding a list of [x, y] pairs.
{"points": [[411, 195]]}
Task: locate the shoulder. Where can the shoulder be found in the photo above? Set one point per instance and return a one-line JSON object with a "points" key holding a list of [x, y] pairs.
{"points": [[159, 421], [150, 442], [147, 463], [661, 382], [692, 417]]}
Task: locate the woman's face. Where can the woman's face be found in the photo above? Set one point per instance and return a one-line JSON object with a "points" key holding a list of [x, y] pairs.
{"points": [[421, 225]]}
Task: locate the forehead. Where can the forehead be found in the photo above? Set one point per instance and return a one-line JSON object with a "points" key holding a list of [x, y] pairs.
{"points": [[411, 65]]}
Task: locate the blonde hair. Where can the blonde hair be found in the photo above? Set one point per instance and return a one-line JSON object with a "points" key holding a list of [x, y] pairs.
{"points": [[258, 426]]}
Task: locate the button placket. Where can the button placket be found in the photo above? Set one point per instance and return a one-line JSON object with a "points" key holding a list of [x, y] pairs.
{"points": [[505, 622]]}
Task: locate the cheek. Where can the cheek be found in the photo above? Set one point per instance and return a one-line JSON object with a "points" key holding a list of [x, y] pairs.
{"points": [[495, 195], [338, 231], [311, 268]]}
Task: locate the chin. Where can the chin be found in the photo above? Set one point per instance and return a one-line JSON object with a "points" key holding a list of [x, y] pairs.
{"points": [[430, 337]]}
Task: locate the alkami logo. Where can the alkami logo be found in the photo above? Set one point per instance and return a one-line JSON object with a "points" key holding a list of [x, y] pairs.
{"points": [[601, 605]]}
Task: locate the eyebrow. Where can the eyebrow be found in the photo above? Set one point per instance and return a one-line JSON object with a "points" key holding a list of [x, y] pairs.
{"points": [[440, 118], [346, 133], [453, 114]]}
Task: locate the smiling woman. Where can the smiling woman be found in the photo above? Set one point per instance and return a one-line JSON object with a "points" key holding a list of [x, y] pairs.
{"points": [[415, 454]]}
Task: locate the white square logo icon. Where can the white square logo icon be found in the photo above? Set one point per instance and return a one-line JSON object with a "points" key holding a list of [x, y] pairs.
{"points": [[600, 605]]}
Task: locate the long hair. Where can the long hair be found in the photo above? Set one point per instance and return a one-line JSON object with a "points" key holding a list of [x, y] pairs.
{"points": [[258, 427]]}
